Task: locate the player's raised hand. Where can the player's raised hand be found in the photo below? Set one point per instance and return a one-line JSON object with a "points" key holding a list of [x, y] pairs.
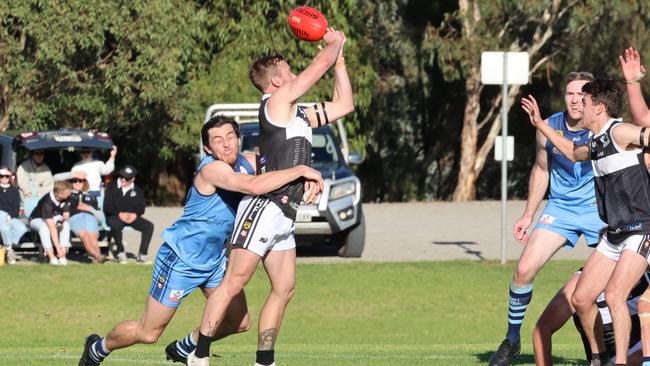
{"points": [[333, 36], [631, 65], [520, 228], [529, 105]]}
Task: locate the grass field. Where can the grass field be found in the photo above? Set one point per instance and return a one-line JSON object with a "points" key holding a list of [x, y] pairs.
{"points": [[428, 313]]}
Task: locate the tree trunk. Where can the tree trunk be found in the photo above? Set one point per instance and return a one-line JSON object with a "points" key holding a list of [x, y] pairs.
{"points": [[466, 185]]}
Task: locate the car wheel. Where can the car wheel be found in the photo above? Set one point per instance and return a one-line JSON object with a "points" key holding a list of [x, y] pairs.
{"points": [[354, 240]]}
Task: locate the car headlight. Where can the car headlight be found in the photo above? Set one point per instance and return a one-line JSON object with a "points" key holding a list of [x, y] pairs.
{"points": [[343, 190]]}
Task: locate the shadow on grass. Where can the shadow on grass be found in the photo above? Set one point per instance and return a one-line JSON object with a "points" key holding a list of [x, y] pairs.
{"points": [[529, 359], [463, 245]]}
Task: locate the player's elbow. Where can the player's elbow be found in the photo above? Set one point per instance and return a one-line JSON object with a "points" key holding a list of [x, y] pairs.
{"points": [[348, 107]]}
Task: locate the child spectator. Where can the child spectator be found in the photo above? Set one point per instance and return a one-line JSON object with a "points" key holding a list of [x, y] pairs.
{"points": [[124, 204], [94, 169], [11, 228], [85, 216], [51, 215]]}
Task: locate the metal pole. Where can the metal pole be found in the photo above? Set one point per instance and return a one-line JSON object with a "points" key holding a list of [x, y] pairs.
{"points": [[504, 157]]}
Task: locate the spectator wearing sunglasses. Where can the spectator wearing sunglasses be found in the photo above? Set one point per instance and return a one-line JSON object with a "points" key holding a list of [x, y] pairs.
{"points": [[11, 228], [94, 169], [124, 205], [34, 176], [85, 216]]}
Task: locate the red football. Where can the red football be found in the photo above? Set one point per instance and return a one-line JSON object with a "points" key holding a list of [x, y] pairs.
{"points": [[307, 23]]}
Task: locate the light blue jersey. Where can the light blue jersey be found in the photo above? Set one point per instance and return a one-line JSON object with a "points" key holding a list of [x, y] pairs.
{"points": [[571, 210], [198, 236], [572, 184]]}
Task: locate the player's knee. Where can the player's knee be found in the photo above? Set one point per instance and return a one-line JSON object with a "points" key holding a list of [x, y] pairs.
{"points": [[245, 324], [542, 330], [613, 298], [150, 336], [580, 303], [232, 287], [524, 274], [285, 291]]}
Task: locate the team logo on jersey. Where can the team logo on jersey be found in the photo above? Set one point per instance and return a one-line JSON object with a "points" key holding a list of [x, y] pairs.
{"points": [[243, 233], [176, 295], [604, 139], [247, 225], [546, 219], [161, 281], [284, 200]]}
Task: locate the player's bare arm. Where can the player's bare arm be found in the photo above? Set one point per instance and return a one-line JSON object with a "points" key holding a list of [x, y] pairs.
{"points": [[342, 102], [283, 101], [630, 136], [633, 71], [537, 185], [566, 147], [312, 187], [220, 175]]}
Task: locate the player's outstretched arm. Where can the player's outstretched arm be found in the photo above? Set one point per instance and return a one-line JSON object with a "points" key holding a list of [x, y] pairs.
{"points": [[219, 174], [289, 92], [342, 102], [537, 185], [566, 147], [630, 136], [633, 71]]}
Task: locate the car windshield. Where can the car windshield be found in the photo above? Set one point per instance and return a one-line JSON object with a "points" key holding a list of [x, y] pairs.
{"points": [[324, 143]]}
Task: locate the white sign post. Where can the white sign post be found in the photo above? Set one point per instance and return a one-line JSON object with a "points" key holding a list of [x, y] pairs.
{"points": [[504, 68]]}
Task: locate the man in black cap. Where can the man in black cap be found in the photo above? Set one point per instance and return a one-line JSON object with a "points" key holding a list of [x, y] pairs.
{"points": [[124, 205]]}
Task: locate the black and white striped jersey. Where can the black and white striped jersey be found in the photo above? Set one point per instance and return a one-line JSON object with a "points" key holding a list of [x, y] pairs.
{"points": [[622, 186], [283, 147]]}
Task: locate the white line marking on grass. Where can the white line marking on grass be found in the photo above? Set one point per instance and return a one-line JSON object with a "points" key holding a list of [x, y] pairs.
{"points": [[71, 357]]}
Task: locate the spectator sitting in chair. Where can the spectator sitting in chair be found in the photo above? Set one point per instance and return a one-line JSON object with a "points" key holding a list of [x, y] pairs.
{"points": [[34, 176], [50, 216], [124, 205], [94, 169], [11, 228], [85, 216]]}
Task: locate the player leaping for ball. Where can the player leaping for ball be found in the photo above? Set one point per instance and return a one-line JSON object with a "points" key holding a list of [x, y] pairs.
{"points": [[193, 255], [265, 224]]}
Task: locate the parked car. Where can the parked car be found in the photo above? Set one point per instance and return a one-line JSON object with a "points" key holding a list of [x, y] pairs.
{"points": [[61, 153], [336, 218]]}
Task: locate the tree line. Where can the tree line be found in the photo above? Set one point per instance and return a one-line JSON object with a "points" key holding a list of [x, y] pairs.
{"points": [[145, 72]]}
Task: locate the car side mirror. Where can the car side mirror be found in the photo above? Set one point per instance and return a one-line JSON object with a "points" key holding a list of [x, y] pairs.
{"points": [[355, 158]]}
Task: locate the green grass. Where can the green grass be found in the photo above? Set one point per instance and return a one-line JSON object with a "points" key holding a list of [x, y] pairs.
{"points": [[428, 313]]}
